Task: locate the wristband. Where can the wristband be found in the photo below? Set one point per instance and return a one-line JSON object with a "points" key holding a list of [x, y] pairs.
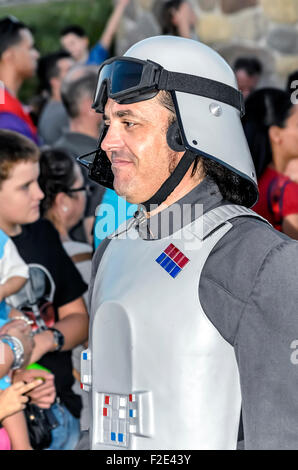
{"points": [[58, 338], [17, 348]]}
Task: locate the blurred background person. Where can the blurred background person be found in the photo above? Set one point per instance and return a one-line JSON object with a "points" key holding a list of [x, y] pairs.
{"points": [[14, 338], [73, 39], [248, 71], [63, 312], [52, 69], [177, 18], [77, 95], [18, 62], [271, 128]]}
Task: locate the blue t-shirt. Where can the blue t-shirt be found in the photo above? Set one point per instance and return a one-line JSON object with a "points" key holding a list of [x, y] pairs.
{"points": [[97, 55], [10, 264], [112, 212], [4, 312]]}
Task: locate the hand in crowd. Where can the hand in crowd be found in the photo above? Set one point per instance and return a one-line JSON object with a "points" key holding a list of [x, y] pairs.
{"points": [[19, 329], [291, 170], [13, 398], [43, 396]]}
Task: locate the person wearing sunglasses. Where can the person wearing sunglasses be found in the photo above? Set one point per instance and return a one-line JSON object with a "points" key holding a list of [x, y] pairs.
{"points": [[18, 62], [193, 301], [62, 183]]}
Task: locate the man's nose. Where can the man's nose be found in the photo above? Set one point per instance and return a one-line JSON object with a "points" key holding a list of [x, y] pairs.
{"points": [[112, 140], [38, 194], [36, 53]]}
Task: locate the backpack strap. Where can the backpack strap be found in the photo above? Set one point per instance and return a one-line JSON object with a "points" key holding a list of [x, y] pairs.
{"points": [[275, 197]]}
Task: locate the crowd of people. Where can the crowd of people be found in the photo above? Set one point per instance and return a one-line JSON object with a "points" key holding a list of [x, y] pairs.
{"points": [[49, 211]]}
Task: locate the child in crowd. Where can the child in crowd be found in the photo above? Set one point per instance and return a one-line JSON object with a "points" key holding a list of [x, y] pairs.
{"points": [[13, 276], [13, 400]]}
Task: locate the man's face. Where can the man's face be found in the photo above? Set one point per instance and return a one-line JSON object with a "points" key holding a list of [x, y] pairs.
{"points": [[20, 196], [75, 45], [64, 65], [246, 83], [137, 148], [25, 55]]}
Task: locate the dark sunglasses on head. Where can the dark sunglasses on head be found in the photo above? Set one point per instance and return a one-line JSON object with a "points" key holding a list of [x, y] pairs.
{"points": [[128, 80]]}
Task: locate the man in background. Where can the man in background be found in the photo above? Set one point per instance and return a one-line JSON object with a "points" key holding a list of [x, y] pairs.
{"points": [[18, 62], [52, 68], [77, 95], [74, 39], [248, 71]]}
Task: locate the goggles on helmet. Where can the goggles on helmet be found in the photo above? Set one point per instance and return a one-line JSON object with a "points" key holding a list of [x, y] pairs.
{"points": [[128, 80]]}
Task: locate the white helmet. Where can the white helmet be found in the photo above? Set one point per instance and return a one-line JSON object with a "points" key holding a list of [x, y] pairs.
{"points": [[206, 98]]}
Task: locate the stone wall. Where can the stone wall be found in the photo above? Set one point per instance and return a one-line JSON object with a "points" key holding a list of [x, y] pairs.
{"points": [[267, 29]]}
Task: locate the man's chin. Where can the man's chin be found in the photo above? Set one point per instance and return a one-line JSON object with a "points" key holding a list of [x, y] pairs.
{"points": [[122, 192]]}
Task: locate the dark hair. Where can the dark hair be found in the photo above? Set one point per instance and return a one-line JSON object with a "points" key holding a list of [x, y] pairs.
{"points": [[15, 148], [166, 15], [73, 29], [56, 175], [48, 68], [232, 187], [264, 108], [291, 78], [251, 65], [75, 86], [10, 28]]}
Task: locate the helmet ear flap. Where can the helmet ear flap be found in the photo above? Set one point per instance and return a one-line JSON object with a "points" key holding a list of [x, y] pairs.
{"points": [[100, 171], [174, 138]]}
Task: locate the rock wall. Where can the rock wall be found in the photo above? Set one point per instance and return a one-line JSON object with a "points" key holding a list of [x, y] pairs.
{"points": [[267, 29]]}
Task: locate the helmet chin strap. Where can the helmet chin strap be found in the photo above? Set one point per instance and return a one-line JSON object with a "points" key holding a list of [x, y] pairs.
{"points": [[172, 182]]}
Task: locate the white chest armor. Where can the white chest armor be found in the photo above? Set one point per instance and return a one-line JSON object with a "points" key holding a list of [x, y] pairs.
{"points": [[162, 375]]}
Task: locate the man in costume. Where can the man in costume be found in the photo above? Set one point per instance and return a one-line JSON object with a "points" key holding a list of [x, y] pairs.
{"points": [[193, 302]]}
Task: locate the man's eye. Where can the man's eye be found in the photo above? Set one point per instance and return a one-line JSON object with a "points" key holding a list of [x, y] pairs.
{"points": [[129, 124]]}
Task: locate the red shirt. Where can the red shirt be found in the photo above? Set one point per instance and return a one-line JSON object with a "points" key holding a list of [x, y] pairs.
{"points": [[14, 117], [278, 197]]}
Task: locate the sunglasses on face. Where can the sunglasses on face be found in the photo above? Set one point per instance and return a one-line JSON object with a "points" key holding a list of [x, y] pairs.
{"points": [[86, 188]]}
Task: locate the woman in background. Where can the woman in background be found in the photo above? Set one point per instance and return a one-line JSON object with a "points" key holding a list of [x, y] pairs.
{"points": [[64, 203], [271, 127], [178, 18]]}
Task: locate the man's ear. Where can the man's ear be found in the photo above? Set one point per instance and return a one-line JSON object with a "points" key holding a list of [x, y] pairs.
{"points": [[60, 200], [7, 55], [275, 134]]}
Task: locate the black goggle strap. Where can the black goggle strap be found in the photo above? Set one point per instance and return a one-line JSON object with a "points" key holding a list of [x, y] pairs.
{"points": [[201, 86], [174, 81], [172, 182]]}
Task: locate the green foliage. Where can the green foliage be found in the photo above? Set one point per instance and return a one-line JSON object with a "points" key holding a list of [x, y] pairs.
{"points": [[47, 19]]}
